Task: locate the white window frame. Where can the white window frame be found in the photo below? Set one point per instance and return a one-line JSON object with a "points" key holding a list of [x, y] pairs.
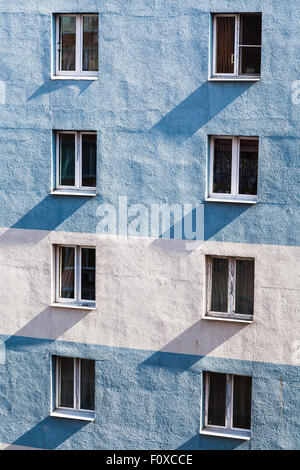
{"points": [[236, 73], [76, 411], [77, 188], [230, 314], [234, 195], [227, 430], [77, 300], [78, 72]]}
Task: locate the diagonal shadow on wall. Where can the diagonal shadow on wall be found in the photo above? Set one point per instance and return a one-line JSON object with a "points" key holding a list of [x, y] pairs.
{"points": [[199, 442], [45, 216], [53, 85], [49, 433], [216, 217], [50, 212], [199, 108], [191, 345], [52, 322]]}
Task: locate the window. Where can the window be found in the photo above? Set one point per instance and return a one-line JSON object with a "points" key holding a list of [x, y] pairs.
{"points": [[74, 388], [227, 404], [76, 162], [236, 45], [76, 45], [230, 287], [75, 276], [233, 169]]}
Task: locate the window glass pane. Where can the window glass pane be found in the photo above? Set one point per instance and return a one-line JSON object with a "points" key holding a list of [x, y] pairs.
{"points": [[248, 166], [217, 399], [66, 382], [67, 159], [219, 284], [244, 296], [250, 30], [225, 44], [242, 402], [222, 166], [250, 60], [90, 43], [89, 152], [88, 273], [67, 42], [87, 385], [67, 270]]}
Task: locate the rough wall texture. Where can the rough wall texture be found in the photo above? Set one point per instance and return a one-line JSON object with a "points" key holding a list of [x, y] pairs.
{"points": [[153, 109], [167, 314], [144, 400]]}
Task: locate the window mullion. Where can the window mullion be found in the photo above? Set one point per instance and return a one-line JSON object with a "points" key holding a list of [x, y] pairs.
{"points": [[228, 400], [234, 162], [214, 45], [77, 160], [57, 380], [57, 45], [79, 272], [57, 273], [209, 285], [237, 40], [232, 186], [57, 161], [237, 165], [75, 391], [231, 286], [206, 399], [77, 43], [78, 382], [211, 165], [80, 160]]}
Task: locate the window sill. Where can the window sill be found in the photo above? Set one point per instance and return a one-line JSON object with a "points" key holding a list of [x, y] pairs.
{"points": [[72, 306], [234, 79], [69, 414], [62, 192], [236, 201], [229, 433], [74, 77], [234, 320]]}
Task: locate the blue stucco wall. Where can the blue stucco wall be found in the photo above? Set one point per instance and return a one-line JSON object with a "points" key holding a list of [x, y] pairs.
{"points": [[153, 109], [144, 399]]}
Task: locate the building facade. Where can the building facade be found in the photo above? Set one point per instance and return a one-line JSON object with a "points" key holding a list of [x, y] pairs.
{"points": [[119, 329]]}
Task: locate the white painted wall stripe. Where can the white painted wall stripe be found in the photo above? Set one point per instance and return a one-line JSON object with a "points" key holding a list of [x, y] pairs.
{"points": [[150, 295]]}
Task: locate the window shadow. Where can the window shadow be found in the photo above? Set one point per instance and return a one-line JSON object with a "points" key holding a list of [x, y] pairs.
{"points": [[215, 218], [49, 433], [219, 216], [53, 85], [200, 442], [52, 322], [50, 212], [47, 215], [193, 344], [198, 108]]}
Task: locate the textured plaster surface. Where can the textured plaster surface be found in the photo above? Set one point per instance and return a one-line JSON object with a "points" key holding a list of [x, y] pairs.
{"points": [[153, 109], [4, 446], [144, 399], [150, 294]]}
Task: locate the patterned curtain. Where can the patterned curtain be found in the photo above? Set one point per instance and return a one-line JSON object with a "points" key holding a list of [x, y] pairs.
{"points": [[225, 44]]}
